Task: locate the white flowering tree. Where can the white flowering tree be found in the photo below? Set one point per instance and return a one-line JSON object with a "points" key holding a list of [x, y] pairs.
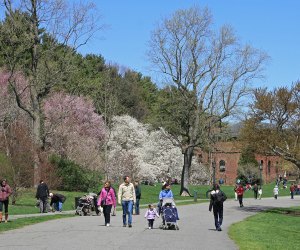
{"points": [[142, 153]]}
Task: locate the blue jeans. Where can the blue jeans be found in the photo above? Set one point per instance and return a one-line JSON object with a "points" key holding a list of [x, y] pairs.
{"points": [[127, 207], [137, 206], [58, 206]]}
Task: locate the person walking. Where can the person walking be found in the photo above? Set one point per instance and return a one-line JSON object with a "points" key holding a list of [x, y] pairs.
{"points": [[235, 194], [138, 193], [5, 192], [107, 200], [150, 215], [57, 201], [240, 192], [255, 191], [259, 193], [276, 192], [292, 190], [217, 197], [166, 192], [42, 194], [126, 198]]}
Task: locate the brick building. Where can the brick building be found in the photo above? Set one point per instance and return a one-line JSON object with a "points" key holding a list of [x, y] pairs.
{"points": [[227, 155]]}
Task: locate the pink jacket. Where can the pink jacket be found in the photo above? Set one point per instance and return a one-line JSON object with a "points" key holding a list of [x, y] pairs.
{"points": [[109, 197], [5, 192]]}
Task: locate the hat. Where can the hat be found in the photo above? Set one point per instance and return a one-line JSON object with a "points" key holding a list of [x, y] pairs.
{"points": [[51, 194]]}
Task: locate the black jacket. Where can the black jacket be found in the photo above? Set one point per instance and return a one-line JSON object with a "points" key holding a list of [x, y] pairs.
{"points": [[214, 201], [42, 191], [57, 198]]}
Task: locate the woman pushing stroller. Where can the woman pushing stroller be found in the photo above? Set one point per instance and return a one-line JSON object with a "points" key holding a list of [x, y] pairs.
{"points": [[166, 192]]}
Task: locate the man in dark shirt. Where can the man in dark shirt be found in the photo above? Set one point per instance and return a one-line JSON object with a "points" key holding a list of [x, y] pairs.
{"points": [[42, 194], [138, 197], [57, 200]]}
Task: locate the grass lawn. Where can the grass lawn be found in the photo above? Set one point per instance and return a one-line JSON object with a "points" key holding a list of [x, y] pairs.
{"points": [[273, 229], [26, 202], [22, 222]]}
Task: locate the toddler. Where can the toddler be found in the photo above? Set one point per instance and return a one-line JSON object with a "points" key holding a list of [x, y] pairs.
{"points": [[150, 215]]}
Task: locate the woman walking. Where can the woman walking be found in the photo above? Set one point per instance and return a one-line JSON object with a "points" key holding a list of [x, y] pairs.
{"points": [[5, 192], [106, 200]]}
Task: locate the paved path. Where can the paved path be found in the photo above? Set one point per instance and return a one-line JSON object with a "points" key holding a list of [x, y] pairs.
{"points": [[196, 230]]}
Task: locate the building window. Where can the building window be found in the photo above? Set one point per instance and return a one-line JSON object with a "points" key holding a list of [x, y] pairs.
{"points": [[269, 167], [222, 166]]}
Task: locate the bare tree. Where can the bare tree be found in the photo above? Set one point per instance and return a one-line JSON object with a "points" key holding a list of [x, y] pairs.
{"points": [[211, 73], [50, 31]]}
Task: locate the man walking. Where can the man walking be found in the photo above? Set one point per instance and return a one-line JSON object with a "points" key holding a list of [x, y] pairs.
{"points": [[240, 192], [292, 190], [217, 197], [138, 193], [42, 194], [127, 197], [255, 191]]}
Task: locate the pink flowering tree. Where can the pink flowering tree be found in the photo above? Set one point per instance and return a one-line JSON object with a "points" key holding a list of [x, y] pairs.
{"points": [[73, 129]]}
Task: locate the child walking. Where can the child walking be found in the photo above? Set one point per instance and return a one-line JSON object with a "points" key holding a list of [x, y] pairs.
{"points": [[150, 215]]}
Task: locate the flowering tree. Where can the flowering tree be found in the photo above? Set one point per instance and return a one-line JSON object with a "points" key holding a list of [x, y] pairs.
{"points": [[144, 154], [15, 137], [73, 129]]}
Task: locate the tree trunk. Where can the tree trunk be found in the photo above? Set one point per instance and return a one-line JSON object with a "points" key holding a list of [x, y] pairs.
{"points": [[38, 144], [188, 155]]}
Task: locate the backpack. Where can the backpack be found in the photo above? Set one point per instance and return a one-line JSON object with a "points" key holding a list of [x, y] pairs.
{"points": [[220, 197]]}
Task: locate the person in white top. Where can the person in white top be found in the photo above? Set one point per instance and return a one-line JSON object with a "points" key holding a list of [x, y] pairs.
{"points": [[126, 198], [276, 192]]}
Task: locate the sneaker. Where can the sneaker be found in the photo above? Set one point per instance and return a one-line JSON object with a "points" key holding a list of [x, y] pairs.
{"points": [[124, 225], [129, 225], [107, 225], [149, 227], [219, 229]]}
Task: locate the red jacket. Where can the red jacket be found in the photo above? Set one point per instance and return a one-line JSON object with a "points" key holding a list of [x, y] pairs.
{"points": [[292, 188], [240, 190], [5, 192]]}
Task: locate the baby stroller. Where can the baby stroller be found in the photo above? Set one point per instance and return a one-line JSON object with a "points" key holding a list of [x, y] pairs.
{"points": [[169, 214], [87, 204]]}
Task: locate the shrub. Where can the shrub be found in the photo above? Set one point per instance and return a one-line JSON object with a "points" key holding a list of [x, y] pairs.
{"points": [[74, 177]]}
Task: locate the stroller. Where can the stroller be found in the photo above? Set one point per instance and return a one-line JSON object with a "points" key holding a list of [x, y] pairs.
{"points": [[87, 204], [169, 214]]}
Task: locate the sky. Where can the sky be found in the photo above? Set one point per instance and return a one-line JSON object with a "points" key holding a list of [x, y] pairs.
{"points": [[269, 25]]}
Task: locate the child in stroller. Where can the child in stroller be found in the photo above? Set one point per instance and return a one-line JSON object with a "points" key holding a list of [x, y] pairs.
{"points": [[87, 204], [169, 214]]}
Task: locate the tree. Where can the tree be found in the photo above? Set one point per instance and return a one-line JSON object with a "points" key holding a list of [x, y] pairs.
{"points": [[248, 171], [142, 152], [73, 130], [42, 37], [273, 124], [210, 73]]}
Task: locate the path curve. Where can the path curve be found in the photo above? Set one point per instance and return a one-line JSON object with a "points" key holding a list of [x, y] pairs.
{"points": [[196, 230]]}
